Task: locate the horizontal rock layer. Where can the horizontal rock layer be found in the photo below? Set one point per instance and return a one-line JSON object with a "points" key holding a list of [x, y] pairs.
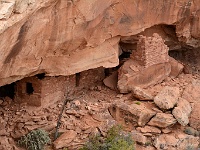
{"points": [[62, 37]]}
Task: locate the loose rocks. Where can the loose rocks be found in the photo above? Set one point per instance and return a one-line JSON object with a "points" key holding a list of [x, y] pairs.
{"points": [[167, 98], [162, 120], [182, 111]]}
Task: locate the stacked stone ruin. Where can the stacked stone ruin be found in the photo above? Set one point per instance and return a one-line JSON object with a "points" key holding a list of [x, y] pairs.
{"points": [[155, 117], [151, 51]]}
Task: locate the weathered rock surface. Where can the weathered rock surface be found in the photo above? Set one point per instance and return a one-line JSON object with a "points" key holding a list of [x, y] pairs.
{"points": [[21, 6], [191, 131], [192, 94], [111, 81], [182, 111], [65, 139], [65, 37], [176, 67], [163, 141], [167, 98], [131, 114], [177, 141], [139, 137], [162, 120], [141, 94], [7, 143], [132, 75], [149, 129], [6, 9]]}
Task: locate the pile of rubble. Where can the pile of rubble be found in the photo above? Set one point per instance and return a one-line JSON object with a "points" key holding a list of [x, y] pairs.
{"points": [[86, 114], [164, 101], [159, 121]]}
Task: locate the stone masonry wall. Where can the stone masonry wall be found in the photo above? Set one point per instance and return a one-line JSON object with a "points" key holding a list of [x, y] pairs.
{"points": [[32, 98], [151, 50], [43, 92], [56, 88]]}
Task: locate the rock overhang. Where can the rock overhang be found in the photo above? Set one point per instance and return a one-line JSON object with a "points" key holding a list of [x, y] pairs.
{"points": [[63, 38]]}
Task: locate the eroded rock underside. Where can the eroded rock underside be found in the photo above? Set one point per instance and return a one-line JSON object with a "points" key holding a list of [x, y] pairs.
{"points": [[129, 62], [63, 37]]}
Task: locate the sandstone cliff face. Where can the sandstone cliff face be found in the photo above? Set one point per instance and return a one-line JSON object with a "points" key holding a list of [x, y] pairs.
{"points": [[63, 37]]}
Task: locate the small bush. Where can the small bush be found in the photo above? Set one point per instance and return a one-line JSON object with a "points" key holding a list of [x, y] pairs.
{"points": [[138, 103], [115, 140], [35, 140]]}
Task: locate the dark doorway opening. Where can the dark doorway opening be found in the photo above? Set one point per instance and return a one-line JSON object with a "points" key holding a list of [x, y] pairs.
{"points": [[78, 76], [8, 90], [29, 88]]}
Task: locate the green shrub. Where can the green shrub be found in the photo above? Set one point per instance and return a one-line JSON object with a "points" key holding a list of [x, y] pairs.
{"points": [[138, 103], [121, 144], [35, 140], [113, 132], [115, 140]]}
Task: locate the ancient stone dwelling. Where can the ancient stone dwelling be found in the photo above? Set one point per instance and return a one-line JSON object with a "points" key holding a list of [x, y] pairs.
{"points": [[43, 91], [151, 50], [38, 91]]}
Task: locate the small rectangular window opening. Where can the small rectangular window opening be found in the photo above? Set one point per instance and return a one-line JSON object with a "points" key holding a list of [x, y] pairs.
{"points": [[78, 76], [29, 88]]}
